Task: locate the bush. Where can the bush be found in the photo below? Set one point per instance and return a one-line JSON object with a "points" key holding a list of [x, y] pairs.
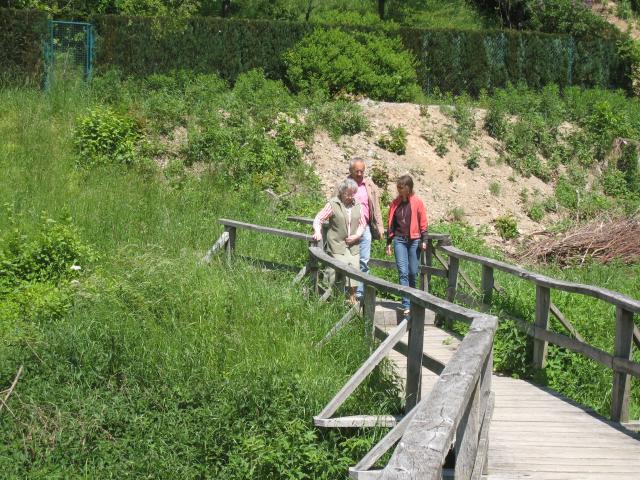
{"points": [[536, 212], [335, 61], [340, 117], [395, 141], [472, 162], [507, 226], [104, 137]]}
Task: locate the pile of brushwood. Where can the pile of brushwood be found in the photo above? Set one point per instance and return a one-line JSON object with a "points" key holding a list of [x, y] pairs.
{"points": [[603, 239]]}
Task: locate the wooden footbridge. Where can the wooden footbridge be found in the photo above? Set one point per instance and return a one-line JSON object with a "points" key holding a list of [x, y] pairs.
{"points": [[462, 421]]}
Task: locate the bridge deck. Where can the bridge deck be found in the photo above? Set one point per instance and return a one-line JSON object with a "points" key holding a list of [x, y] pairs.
{"points": [[535, 433]]}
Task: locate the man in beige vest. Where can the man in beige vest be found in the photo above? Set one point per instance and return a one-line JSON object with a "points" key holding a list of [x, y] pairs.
{"points": [[369, 197]]}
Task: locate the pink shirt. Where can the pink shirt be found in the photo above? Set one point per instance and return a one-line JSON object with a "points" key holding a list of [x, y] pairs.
{"points": [[363, 199]]}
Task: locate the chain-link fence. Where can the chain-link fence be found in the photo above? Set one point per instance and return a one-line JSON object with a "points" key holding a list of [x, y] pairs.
{"points": [[69, 51]]}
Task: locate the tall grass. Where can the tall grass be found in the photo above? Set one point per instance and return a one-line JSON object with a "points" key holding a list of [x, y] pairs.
{"points": [[158, 366]]}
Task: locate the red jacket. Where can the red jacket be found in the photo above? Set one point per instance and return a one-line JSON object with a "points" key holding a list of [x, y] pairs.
{"points": [[418, 224]]}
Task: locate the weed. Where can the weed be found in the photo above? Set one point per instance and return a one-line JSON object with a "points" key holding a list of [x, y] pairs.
{"points": [[395, 141], [536, 212], [424, 111], [495, 188], [473, 159], [507, 226], [340, 117], [380, 176], [457, 214], [442, 141]]}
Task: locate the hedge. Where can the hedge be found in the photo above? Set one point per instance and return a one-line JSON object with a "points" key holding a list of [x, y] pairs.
{"points": [[452, 60], [21, 35]]}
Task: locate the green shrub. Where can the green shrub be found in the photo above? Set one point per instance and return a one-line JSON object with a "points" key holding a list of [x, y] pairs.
{"points": [[380, 176], [361, 63], [536, 212], [472, 161], [507, 226], [465, 120], [495, 188], [340, 117], [395, 141], [105, 137], [614, 182]]}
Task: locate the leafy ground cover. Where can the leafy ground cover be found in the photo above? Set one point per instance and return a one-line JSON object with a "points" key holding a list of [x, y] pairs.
{"points": [[139, 361]]}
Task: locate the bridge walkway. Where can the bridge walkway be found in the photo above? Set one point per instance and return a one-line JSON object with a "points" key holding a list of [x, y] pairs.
{"points": [[535, 433]]}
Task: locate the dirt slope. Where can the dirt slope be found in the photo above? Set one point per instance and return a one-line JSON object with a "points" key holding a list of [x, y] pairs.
{"points": [[444, 183]]}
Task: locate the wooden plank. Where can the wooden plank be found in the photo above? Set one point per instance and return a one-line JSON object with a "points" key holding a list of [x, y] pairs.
{"points": [[543, 300], [565, 323], [220, 244], [357, 378], [358, 421], [621, 380], [300, 275], [610, 296], [340, 324], [230, 245], [424, 299], [365, 474], [467, 435], [369, 310], [487, 283], [269, 230], [414, 357], [480, 466]]}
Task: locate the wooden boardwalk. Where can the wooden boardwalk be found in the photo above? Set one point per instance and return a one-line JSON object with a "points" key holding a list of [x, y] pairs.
{"points": [[535, 433]]}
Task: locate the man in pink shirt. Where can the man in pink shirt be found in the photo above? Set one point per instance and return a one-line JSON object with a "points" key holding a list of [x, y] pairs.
{"points": [[368, 196]]}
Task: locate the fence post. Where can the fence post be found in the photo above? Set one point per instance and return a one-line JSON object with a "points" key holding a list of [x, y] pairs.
{"points": [[543, 303], [487, 284], [414, 356], [621, 381], [231, 243], [369, 311], [312, 269], [428, 261], [452, 283]]}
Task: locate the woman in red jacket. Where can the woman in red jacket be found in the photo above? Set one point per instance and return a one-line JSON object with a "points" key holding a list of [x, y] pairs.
{"points": [[407, 229]]}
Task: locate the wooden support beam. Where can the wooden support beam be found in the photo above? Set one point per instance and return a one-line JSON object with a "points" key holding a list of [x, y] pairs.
{"points": [[231, 242], [543, 300], [376, 357], [430, 363], [369, 311], [621, 381], [300, 275], [565, 323], [487, 284], [346, 318], [220, 243], [414, 356], [428, 261], [358, 421], [467, 433]]}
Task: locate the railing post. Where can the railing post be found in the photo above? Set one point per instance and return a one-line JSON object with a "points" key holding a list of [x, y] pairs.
{"points": [[452, 283], [466, 446], [428, 261], [543, 303], [312, 269], [423, 283], [621, 381], [452, 278], [414, 356], [231, 243], [487, 284], [369, 310]]}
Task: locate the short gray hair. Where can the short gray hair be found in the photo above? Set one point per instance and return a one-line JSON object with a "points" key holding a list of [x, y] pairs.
{"points": [[347, 185], [355, 160]]}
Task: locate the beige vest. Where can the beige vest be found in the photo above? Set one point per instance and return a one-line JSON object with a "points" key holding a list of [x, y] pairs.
{"points": [[338, 228]]}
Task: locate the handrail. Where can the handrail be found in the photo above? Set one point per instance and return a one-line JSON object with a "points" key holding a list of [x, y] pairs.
{"points": [[607, 295], [461, 392], [620, 362]]}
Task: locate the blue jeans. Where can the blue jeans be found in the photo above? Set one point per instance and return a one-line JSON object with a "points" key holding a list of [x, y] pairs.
{"points": [[407, 261], [365, 254]]}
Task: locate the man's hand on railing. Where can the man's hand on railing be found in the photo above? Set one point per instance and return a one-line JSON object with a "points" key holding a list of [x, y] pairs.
{"points": [[388, 249]]}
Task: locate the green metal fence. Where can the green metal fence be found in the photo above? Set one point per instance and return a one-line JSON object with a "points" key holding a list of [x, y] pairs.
{"points": [[69, 50]]}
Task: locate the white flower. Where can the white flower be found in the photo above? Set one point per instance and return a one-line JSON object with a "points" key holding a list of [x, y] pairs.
{"points": [[75, 267]]}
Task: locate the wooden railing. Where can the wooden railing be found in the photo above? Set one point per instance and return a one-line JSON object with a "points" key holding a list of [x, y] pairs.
{"points": [[625, 330], [457, 413]]}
